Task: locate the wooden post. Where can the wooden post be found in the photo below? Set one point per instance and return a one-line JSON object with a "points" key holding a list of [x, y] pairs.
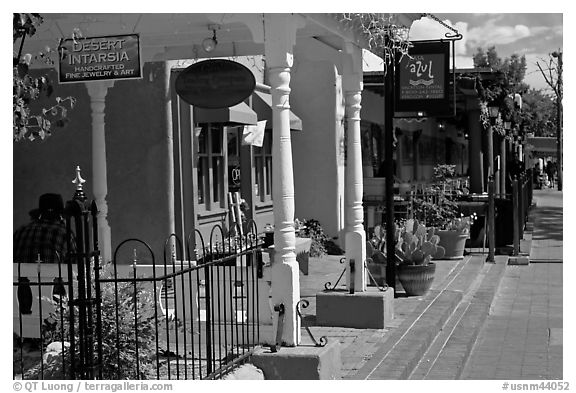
{"points": [[97, 92], [491, 219], [389, 150], [522, 205], [503, 166], [355, 238], [517, 214], [278, 46]]}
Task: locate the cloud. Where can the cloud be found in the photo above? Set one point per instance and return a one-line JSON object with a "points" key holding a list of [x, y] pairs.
{"points": [[490, 34], [428, 29]]}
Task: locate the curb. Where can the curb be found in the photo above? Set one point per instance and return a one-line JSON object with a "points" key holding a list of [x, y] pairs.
{"points": [[401, 354], [456, 351], [403, 350]]}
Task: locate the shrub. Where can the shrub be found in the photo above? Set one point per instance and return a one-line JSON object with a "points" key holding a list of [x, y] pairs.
{"points": [[437, 213], [136, 325], [311, 228]]}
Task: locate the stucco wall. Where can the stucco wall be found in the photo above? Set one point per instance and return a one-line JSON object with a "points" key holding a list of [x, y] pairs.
{"points": [[48, 165], [136, 150], [318, 149], [137, 153]]}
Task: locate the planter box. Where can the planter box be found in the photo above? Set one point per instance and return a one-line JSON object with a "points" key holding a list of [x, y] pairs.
{"points": [[302, 252]]}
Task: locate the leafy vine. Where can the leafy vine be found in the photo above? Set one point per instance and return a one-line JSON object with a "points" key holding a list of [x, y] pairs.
{"points": [[28, 88]]}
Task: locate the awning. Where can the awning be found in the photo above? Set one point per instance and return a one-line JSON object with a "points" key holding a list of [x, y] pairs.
{"points": [[542, 146], [239, 114], [410, 124], [262, 104]]}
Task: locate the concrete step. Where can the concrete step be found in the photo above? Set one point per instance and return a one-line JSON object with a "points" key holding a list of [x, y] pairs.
{"points": [[400, 355]]}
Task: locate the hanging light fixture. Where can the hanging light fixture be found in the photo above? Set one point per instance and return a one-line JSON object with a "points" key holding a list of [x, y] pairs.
{"points": [[493, 111], [209, 44]]}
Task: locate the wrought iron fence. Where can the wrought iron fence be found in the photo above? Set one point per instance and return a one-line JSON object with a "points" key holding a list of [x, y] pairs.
{"points": [[193, 315]]}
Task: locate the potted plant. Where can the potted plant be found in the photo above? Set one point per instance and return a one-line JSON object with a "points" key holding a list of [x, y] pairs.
{"points": [[416, 247], [436, 209], [453, 236]]}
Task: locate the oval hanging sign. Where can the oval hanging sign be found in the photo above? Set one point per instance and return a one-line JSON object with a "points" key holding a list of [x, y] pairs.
{"points": [[215, 83]]}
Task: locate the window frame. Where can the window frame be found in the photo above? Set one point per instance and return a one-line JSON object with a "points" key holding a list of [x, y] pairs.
{"points": [[209, 203], [263, 169]]}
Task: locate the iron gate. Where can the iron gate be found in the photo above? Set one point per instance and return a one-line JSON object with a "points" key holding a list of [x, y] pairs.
{"points": [[194, 315]]}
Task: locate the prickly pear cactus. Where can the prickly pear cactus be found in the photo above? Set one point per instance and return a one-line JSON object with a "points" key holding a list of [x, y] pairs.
{"points": [[418, 245]]}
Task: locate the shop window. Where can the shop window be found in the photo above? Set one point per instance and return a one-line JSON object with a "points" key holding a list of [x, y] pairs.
{"points": [[210, 167], [234, 143], [263, 168]]}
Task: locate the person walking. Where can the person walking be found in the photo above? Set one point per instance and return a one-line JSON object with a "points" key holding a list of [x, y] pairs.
{"points": [[44, 237], [551, 172]]}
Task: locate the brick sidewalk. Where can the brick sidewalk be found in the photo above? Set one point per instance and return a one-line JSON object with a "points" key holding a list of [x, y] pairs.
{"points": [[547, 237], [499, 321], [522, 336], [361, 346]]}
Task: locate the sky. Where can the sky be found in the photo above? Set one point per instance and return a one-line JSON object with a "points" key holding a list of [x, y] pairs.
{"points": [[533, 35]]}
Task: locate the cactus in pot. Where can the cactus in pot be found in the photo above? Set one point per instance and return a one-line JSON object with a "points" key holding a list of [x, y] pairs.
{"points": [[418, 245]]}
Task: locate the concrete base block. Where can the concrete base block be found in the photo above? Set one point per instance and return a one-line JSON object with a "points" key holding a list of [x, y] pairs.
{"points": [[301, 363], [519, 260], [372, 309]]}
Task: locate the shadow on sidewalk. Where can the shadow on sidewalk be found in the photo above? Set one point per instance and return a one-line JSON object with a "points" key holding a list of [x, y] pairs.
{"points": [[549, 224]]}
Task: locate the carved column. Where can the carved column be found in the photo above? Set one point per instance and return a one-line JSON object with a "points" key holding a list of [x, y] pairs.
{"points": [[97, 92], [279, 39], [355, 235]]}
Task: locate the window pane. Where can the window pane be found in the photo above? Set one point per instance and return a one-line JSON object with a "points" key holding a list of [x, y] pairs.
{"points": [[233, 159], [233, 142], [201, 180], [258, 162], [268, 142], [268, 175], [217, 178], [202, 141], [216, 136]]}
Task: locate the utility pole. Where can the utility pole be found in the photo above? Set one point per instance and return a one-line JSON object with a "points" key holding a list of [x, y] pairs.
{"points": [[559, 113]]}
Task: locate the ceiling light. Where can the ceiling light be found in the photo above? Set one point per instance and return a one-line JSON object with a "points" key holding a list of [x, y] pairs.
{"points": [[209, 44]]}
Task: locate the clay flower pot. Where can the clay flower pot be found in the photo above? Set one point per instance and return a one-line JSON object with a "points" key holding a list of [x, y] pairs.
{"points": [[453, 242], [416, 279]]}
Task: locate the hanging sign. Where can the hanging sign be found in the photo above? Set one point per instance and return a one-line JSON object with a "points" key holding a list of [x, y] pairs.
{"points": [[100, 58], [422, 80], [215, 83]]}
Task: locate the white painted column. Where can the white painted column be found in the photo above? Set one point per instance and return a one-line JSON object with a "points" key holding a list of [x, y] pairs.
{"points": [[355, 239], [97, 92], [279, 39]]}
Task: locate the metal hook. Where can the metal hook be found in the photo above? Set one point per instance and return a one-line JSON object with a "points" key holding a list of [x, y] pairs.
{"points": [[381, 289], [323, 340], [328, 286]]}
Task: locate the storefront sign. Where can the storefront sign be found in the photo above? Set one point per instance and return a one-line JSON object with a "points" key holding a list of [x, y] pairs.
{"points": [[422, 80], [100, 58], [215, 83]]}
